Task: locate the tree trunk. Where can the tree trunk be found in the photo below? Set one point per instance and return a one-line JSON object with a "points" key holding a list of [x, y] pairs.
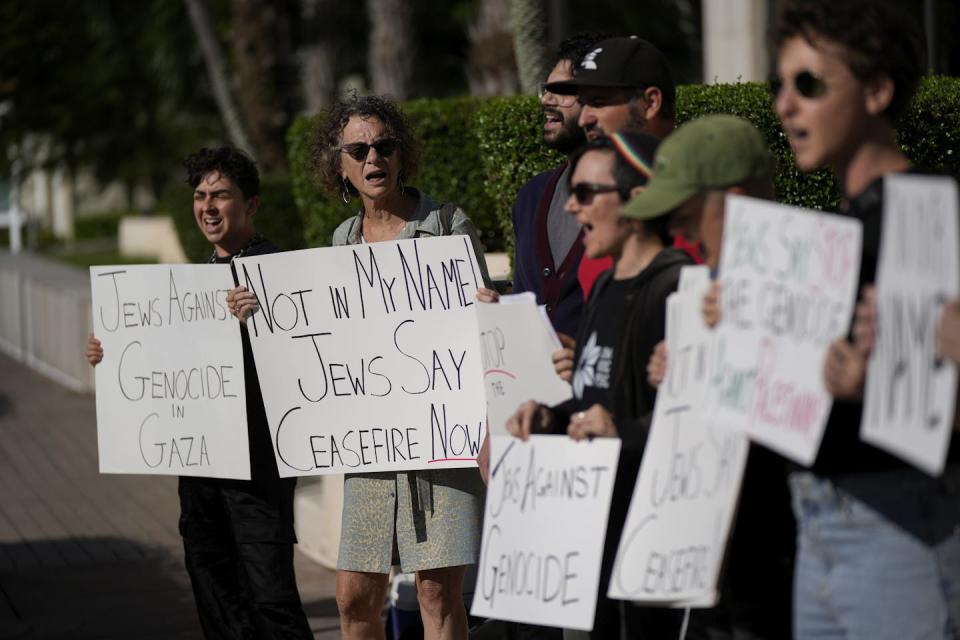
{"points": [[529, 42], [266, 83], [317, 56], [491, 66], [390, 61], [217, 71]]}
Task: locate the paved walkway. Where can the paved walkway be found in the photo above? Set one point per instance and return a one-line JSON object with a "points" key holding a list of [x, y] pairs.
{"points": [[84, 555]]}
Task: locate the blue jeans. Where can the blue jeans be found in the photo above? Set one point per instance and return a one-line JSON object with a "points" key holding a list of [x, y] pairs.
{"points": [[878, 556]]}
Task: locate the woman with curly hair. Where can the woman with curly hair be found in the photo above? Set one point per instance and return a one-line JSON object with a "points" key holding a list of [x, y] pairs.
{"points": [[428, 520]]}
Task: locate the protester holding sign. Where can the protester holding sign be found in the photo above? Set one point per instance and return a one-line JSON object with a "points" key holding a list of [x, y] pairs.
{"points": [[367, 149], [623, 321], [237, 535], [878, 541], [696, 167]]}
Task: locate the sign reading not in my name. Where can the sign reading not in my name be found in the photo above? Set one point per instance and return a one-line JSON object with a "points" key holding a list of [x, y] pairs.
{"points": [[911, 391], [543, 529], [170, 387], [789, 278], [369, 355]]}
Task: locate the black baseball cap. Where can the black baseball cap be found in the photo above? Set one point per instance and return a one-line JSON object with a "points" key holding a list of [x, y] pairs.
{"points": [[620, 62]]}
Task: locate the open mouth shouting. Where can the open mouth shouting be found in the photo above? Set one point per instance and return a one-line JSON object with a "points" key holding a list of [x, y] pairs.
{"points": [[554, 119], [375, 176]]}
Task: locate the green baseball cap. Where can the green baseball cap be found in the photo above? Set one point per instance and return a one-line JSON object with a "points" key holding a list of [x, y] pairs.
{"points": [[712, 152]]}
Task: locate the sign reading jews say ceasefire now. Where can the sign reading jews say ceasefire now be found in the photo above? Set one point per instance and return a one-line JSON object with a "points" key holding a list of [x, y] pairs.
{"points": [[170, 387], [368, 355], [543, 529], [789, 278]]}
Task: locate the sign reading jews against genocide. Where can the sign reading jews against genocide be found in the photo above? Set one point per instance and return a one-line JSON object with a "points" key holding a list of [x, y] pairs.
{"points": [[369, 355], [543, 529], [788, 279], [170, 387], [910, 390], [517, 344], [686, 494]]}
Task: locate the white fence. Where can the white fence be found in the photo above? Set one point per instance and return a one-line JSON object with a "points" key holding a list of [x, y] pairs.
{"points": [[45, 317]]}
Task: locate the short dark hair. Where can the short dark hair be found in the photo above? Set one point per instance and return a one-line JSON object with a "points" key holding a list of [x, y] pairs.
{"points": [[578, 45], [875, 38], [326, 145], [626, 177], [229, 161]]}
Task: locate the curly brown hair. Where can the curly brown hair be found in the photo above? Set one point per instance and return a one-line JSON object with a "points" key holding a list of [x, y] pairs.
{"points": [[325, 152], [875, 37]]}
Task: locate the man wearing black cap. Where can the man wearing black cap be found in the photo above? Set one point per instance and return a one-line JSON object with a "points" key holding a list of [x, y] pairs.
{"points": [[624, 84]]}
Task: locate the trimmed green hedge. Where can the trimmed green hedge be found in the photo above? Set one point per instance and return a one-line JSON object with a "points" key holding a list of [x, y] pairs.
{"points": [[478, 152], [278, 217]]}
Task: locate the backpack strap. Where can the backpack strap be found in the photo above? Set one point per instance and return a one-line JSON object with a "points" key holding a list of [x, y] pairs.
{"points": [[445, 216]]}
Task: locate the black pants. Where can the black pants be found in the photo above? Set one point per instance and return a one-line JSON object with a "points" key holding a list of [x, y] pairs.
{"points": [[238, 547]]}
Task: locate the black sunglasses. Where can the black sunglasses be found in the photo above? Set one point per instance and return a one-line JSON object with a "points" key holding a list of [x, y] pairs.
{"points": [[359, 150], [806, 83], [584, 191]]}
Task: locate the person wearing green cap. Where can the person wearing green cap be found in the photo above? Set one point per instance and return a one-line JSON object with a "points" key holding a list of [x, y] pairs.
{"points": [[695, 168]]}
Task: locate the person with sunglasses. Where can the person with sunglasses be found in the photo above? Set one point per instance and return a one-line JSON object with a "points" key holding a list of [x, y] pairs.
{"points": [[624, 319], [366, 150], [878, 541], [696, 167]]}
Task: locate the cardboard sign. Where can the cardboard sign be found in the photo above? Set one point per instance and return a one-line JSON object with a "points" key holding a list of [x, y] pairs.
{"points": [[368, 355], [685, 498], [516, 346], [170, 388], [543, 530], [910, 391], [789, 279]]}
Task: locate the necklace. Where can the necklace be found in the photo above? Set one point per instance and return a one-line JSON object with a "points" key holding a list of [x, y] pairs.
{"points": [[256, 239]]}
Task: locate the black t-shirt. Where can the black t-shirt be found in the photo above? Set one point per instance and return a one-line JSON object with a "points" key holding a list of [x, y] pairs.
{"points": [[593, 373]]}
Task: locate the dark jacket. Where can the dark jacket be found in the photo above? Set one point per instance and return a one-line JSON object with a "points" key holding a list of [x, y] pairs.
{"points": [[632, 400], [533, 268]]}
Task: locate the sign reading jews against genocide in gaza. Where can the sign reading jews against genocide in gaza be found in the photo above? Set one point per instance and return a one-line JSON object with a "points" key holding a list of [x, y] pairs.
{"points": [[170, 387], [788, 279], [543, 529], [369, 356], [517, 343], [910, 389], [686, 494]]}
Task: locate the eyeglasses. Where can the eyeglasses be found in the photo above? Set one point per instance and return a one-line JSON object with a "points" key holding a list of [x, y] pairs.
{"points": [[359, 150], [807, 84], [584, 191], [559, 100]]}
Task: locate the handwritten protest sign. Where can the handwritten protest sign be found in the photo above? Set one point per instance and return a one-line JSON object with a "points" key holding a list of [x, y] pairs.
{"points": [[516, 346], [543, 530], [369, 356], [910, 391], [686, 494], [170, 387], [789, 277]]}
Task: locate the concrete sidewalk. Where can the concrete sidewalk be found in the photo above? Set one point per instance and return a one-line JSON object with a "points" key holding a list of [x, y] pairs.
{"points": [[84, 555]]}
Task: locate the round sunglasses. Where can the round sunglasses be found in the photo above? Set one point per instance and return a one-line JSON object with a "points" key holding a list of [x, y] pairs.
{"points": [[806, 83], [359, 150]]}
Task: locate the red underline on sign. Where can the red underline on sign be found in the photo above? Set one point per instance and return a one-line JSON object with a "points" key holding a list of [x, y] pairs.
{"points": [[501, 371], [453, 460]]}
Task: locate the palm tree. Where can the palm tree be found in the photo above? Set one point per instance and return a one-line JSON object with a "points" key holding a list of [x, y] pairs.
{"points": [[391, 47]]}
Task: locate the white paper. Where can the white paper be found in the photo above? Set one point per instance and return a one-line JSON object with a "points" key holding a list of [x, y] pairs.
{"points": [[368, 355], [910, 392], [516, 348], [788, 279], [170, 387], [686, 495], [543, 530]]}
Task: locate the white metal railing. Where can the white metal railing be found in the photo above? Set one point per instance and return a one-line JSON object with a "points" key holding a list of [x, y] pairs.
{"points": [[45, 317]]}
